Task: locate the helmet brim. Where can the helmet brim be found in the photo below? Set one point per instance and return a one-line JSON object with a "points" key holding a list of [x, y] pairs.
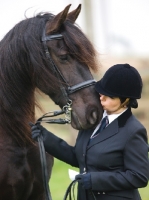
{"points": [[101, 90]]}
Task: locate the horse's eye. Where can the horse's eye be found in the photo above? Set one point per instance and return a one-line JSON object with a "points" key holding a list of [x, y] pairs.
{"points": [[64, 57]]}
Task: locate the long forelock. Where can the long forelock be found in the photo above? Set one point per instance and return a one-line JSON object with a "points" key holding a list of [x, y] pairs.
{"points": [[80, 46]]}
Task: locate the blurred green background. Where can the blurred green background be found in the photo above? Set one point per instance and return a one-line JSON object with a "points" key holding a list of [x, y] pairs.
{"points": [[60, 179]]}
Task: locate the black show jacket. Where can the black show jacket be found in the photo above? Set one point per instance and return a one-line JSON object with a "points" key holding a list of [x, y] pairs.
{"points": [[117, 158]]}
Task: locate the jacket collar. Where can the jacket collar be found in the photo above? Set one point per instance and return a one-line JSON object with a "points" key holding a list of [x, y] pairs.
{"points": [[112, 128], [123, 117]]}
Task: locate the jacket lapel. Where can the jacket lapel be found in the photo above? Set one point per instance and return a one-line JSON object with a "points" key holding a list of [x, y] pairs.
{"points": [[111, 129], [86, 136]]}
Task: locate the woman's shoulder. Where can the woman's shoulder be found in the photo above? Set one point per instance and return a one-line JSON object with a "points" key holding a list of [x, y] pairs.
{"points": [[135, 129], [134, 123]]}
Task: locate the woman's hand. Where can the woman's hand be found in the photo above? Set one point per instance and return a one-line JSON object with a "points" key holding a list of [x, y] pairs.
{"points": [[84, 180], [37, 130]]}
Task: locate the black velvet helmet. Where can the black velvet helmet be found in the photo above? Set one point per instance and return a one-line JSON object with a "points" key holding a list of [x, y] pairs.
{"points": [[121, 80]]}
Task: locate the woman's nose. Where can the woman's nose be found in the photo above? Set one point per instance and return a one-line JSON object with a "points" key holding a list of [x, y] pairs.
{"points": [[101, 96]]}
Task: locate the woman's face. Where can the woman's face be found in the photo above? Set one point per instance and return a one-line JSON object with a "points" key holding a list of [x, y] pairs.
{"points": [[111, 104]]}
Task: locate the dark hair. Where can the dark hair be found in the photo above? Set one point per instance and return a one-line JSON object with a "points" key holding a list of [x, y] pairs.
{"points": [[132, 102]]}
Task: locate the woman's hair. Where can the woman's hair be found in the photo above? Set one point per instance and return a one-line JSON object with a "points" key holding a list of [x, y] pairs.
{"points": [[131, 103]]}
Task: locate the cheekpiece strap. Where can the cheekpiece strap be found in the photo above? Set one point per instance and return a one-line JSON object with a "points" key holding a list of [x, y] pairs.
{"points": [[52, 37]]}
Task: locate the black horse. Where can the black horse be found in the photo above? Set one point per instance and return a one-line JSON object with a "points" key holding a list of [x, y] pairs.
{"points": [[48, 52]]}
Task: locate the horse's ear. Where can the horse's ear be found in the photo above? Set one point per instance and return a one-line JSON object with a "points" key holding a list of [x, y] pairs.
{"points": [[58, 20], [72, 16]]}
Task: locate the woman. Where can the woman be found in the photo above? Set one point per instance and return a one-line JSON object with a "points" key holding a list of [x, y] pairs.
{"points": [[113, 162]]}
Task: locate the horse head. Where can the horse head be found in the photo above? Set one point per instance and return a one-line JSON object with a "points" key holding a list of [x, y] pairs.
{"points": [[71, 56], [51, 53]]}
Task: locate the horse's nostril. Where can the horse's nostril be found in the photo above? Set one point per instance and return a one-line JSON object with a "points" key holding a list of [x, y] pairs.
{"points": [[92, 117]]}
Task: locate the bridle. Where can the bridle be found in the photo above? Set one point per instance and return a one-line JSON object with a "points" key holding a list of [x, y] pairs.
{"points": [[66, 91], [70, 89]]}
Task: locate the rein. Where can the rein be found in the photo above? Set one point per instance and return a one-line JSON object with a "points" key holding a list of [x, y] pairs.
{"points": [[65, 110]]}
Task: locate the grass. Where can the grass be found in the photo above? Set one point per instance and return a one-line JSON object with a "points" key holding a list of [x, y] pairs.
{"points": [[144, 192], [60, 181]]}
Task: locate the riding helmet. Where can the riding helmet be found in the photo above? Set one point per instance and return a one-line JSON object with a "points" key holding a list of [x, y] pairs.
{"points": [[120, 80]]}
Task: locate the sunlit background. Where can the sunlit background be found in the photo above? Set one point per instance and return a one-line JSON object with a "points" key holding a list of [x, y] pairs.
{"points": [[119, 30]]}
